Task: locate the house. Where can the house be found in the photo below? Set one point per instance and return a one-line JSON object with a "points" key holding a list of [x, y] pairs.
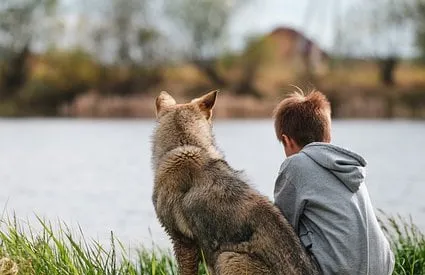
{"points": [[290, 45]]}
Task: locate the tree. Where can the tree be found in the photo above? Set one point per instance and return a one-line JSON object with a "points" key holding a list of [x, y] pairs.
{"points": [[381, 31], [121, 33], [415, 10], [257, 50], [20, 23], [125, 24], [203, 25], [131, 29]]}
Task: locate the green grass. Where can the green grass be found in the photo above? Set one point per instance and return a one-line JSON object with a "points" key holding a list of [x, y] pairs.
{"points": [[408, 245], [61, 251], [24, 250]]}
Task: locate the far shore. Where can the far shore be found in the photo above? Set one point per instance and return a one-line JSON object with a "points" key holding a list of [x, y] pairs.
{"points": [[361, 105]]}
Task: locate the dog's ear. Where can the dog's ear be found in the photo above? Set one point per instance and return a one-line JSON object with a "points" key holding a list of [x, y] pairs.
{"points": [[164, 100], [206, 103]]}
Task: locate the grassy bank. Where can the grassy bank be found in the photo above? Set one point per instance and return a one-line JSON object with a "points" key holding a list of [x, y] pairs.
{"points": [[24, 250]]}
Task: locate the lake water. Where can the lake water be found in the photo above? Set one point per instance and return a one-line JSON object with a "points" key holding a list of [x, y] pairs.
{"points": [[97, 173]]}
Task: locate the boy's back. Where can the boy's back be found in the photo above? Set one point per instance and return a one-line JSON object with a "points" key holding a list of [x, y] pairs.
{"points": [[322, 193]]}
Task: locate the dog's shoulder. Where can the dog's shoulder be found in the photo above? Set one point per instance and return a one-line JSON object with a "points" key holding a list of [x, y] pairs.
{"points": [[183, 157]]}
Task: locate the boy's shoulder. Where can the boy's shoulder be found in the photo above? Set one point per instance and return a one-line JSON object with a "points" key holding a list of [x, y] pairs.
{"points": [[295, 163], [299, 171]]}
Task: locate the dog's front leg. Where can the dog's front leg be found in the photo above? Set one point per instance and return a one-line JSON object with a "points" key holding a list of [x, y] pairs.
{"points": [[187, 255]]}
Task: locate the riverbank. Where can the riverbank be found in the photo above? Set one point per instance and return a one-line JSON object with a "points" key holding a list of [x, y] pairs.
{"points": [[26, 251], [354, 89], [407, 103]]}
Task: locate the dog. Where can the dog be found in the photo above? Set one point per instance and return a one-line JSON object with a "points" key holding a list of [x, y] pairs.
{"points": [[206, 207]]}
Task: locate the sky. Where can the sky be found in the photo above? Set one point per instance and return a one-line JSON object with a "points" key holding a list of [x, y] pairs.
{"points": [[317, 19], [263, 16]]}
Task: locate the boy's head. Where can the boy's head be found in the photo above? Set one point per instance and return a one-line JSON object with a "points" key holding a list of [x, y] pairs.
{"points": [[301, 119]]}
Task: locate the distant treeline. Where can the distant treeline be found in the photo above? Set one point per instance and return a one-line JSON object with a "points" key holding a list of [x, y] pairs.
{"points": [[120, 60]]}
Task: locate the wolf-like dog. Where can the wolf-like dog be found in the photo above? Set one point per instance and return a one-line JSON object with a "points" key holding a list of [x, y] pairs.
{"points": [[207, 208]]}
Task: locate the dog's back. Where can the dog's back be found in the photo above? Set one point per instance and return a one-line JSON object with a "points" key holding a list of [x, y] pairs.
{"points": [[205, 205]]}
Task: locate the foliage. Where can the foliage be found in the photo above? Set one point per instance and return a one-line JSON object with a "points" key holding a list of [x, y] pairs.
{"points": [[125, 34], [418, 12], [203, 23], [18, 23], [21, 22]]}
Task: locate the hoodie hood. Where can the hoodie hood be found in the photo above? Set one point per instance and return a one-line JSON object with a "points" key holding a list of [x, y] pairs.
{"points": [[347, 166]]}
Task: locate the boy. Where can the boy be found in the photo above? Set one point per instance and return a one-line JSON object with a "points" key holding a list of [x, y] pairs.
{"points": [[321, 191]]}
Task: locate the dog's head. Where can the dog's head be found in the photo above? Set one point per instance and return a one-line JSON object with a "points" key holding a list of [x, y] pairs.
{"points": [[165, 103], [183, 124]]}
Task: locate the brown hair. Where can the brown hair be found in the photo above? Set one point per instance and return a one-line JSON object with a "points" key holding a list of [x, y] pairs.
{"points": [[305, 118]]}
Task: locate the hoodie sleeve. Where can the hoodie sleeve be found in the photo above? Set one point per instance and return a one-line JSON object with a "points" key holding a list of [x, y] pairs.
{"points": [[287, 196]]}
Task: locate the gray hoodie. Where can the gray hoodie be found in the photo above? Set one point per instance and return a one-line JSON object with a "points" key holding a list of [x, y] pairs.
{"points": [[321, 191]]}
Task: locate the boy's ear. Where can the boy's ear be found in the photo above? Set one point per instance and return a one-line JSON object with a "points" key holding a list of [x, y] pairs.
{"points": [[206, 103], [285, 140], [290, 145], [288, 141], [164, 100]]}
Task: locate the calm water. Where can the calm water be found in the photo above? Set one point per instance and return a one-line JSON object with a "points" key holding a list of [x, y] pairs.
{"points": [[97, 174]]}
